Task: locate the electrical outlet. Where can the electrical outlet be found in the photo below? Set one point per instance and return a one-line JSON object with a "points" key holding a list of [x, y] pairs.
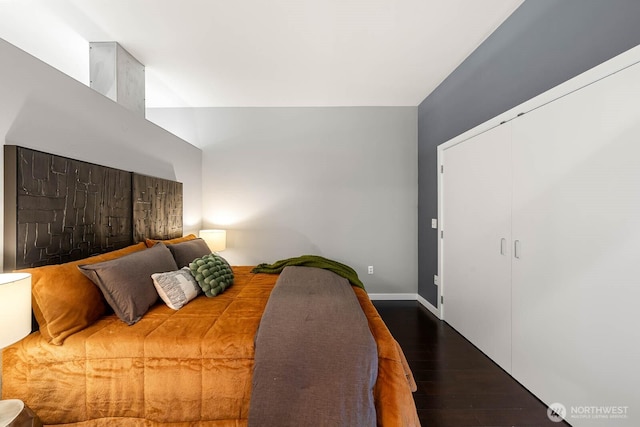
{"points": [[370, 269]]}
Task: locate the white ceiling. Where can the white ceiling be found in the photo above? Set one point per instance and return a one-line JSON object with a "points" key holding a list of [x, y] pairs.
{"points": [[236, 53]]}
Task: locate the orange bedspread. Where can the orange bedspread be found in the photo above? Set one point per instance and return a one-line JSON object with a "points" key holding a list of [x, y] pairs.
{"points": [[190, 367]]}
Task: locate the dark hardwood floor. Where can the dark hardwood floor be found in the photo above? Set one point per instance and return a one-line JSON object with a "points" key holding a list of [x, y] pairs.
{"points": [[458, 385]]}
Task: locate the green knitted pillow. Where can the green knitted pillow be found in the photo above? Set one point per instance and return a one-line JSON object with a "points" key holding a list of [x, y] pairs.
{"points": [[213, 274]]}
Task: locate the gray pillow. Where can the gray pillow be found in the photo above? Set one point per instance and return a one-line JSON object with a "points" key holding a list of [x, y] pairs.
{"points": [[126, 282], [185, 252], [176, 288]]}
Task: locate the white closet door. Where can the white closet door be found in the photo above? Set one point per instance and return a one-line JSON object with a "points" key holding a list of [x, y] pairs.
{"points": [[576, 215], [476, 274]]}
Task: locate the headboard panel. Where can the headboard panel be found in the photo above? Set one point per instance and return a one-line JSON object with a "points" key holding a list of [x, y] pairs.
{"points": [[59, 209], [157, 208]]}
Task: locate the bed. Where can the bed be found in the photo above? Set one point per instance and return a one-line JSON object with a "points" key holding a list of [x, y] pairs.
{"points": [[98, 358], [191, 366]]}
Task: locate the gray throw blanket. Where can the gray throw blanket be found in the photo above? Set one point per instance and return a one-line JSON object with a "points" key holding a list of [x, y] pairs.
{"points": [[316, 361]]}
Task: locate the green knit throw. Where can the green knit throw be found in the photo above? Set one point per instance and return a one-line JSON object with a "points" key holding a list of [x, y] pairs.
{"points": [[312, 261]]}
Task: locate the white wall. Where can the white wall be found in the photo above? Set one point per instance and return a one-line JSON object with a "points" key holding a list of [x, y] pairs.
{"points": [[44, 109], [337, 182]]}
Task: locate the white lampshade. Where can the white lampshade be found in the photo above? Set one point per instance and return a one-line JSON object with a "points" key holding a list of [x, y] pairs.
{"points": [[15, 307], [215, 239]]}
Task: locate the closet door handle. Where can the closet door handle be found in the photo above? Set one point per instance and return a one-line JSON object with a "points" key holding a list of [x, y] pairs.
{"points": [[516, 249], [503, 241]]}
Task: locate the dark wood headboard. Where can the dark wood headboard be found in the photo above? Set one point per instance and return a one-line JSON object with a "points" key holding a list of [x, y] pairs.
{"points": [[157, 208], [58, 209]]}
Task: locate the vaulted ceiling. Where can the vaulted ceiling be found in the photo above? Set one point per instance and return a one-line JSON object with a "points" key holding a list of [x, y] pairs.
{"points": [[214, 53]]}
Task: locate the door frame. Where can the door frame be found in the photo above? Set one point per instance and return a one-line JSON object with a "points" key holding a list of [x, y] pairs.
{"points": [[611, 66]]}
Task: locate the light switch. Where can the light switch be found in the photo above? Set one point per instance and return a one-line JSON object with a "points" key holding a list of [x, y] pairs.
{"points": [[434, 223]]}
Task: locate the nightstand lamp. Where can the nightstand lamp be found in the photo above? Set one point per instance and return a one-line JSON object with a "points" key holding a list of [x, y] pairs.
{"points": [[15, 323], [215, 239]]}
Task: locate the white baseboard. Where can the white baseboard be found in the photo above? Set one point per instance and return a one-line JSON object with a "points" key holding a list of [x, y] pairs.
{"points": [[426, 304], [393, 297], [406, 297]]}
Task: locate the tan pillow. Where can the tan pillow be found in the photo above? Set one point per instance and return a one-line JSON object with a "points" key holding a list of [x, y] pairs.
{"points": [[151, 242], [64, 300]]}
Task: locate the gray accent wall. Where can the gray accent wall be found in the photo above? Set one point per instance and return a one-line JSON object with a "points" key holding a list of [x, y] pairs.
{"points": [[542, 44]]}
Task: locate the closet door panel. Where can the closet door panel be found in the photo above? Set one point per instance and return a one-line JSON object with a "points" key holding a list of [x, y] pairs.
{"points": [[576, 216], [476, 271]]}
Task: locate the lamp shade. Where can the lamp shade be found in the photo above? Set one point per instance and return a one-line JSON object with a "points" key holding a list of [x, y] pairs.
{"points": [[15, 307], [215, 239]]}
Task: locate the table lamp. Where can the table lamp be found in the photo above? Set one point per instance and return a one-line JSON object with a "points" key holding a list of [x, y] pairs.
{"points": [[15, 323], [215, 239]]}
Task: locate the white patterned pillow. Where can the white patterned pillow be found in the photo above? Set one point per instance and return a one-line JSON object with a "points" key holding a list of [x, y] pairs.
{"points": [[176, 288]]}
